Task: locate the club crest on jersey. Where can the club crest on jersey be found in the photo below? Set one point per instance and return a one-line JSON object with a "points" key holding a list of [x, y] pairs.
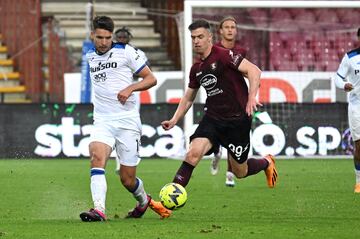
{"points": [[213, 66], [208, 81]]}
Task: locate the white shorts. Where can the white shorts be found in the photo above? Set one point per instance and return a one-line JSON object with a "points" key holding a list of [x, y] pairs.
{"points": [[354, 121], [123, 136]]}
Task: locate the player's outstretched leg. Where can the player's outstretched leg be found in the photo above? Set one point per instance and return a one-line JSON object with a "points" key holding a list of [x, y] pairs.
{"points": [[270, 171], [138, 211], [215, 162], [230, 179], [93, 215], [160, 209]]}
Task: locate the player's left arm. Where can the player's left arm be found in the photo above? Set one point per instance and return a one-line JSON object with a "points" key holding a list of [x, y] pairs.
{"points": [[252, 73], [148, 81], [341, 74]]}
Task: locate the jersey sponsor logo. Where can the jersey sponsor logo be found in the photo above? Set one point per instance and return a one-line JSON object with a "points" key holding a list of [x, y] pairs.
{"points": [[214, 92], [103, 66], [101, 77], [208, 81]]}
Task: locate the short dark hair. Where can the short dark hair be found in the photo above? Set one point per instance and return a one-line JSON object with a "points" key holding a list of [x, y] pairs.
{"points": [[358, 34], [198, 24], [103, 22], [124, 30], [227, 18]]}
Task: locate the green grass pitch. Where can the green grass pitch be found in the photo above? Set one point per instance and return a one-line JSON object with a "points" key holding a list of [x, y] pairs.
{"points": [[314, 198]]}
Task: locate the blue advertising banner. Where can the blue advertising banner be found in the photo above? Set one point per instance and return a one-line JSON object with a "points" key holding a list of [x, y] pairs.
{"points": [[85, 74]]}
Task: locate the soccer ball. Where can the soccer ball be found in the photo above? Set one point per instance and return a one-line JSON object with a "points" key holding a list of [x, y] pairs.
{"points": [[173, 196]]}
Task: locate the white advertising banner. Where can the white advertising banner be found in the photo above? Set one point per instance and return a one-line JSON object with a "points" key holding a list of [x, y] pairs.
{"points": [[276, 87]]}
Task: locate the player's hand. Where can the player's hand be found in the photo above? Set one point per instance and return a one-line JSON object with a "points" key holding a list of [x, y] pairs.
{"points": [[251, 105], [167, 124], [123, 95], [348, 87]]}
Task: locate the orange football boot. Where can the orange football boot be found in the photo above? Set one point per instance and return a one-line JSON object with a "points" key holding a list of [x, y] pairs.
{"points": [[271, 172]]}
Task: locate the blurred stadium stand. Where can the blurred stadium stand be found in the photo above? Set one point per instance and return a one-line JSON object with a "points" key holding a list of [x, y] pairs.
{"points": [[36, 68], [71, 18], [46, 41], [41, 40], [292, 39]]}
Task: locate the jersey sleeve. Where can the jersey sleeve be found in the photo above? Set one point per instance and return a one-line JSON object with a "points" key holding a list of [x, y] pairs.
{"points": [[193, 83], [342, 73], [142, 54], [232, 59], [136, 61]]}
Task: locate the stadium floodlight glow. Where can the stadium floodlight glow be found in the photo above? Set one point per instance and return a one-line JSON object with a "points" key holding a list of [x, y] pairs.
{"points": [[188, 18]]}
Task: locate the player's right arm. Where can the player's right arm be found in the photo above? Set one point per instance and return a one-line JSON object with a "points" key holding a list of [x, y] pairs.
{"points": [[185, 103], [252, 73], [340, 77], [148, 81]]}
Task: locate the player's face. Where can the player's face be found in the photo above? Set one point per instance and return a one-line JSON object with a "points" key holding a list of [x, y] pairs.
{"points": [[201, 39], [102, 39], [122, 37], [228, 30]]}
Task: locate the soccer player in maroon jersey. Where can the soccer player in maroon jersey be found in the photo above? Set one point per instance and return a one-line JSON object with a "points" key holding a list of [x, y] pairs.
{"points": [[228, 108], [228, 32]]}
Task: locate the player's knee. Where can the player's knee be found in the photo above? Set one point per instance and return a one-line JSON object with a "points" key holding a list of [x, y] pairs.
{"points": [[97, 160], [240, 173], [193, 157], [240, 170]]}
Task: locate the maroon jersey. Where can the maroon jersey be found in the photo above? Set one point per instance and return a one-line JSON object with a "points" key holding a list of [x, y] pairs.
{"points": [[237, 48], [226, 89]]}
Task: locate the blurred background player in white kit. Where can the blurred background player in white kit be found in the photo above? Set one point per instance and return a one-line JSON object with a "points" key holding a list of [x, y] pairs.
{"points": [[348, 78], [228, 33]]}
